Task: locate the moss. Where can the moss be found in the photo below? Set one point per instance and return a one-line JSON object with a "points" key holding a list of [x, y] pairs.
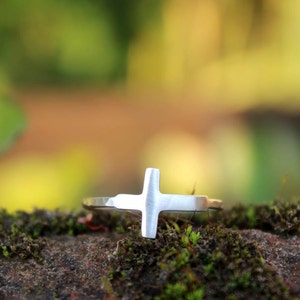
{"points": [[17, 243], [40, 223], [281, 217], [21, 233], [219, 265], [202, 258]]}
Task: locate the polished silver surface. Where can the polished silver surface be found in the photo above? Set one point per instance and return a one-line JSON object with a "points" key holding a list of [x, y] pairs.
{"points": [[151, 202]]}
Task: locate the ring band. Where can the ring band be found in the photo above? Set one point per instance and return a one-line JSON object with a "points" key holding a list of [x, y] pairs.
{"points": [[151, 202], [203, 203]]}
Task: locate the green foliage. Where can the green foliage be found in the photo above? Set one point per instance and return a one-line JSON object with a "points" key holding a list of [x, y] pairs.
{"points": [[196, 295], [5, 251], [192, 236], [67, 41], [182, 258], [251, 217], [174, 291], [179, 291], [12, 122], [208, 268]]}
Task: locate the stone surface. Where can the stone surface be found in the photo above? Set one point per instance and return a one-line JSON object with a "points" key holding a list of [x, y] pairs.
{"points": [[74, 267], [282, 254]]}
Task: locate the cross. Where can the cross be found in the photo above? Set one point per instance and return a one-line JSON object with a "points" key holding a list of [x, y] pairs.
{"points": [[151, 202]]}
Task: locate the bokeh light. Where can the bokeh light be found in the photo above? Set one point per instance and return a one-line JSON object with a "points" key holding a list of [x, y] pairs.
{"points": [[55, 182], [207, 91], [186, 163]]}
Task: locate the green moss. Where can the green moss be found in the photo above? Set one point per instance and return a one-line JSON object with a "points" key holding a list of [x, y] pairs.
{"points": [[40, 223], [218, 264], [281, 217], [190, 237], [206, 260], [21, 245], [20, 233], [174, 291], [5, 251]]}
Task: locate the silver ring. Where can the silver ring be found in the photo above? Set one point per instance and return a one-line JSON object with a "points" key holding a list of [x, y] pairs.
{"points": [[151, 202]]}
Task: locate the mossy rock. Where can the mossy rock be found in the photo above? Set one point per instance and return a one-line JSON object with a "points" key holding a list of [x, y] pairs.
{"points": [[245, 252]]}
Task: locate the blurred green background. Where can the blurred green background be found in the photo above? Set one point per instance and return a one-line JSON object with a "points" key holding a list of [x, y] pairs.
{"points": [[208, 91]]}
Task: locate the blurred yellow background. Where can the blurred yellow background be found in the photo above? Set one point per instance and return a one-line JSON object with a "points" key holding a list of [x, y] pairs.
{"points": [[207, 91]]}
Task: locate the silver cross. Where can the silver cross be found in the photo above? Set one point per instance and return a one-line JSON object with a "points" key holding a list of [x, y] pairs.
{"points": [[151, 202]]}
